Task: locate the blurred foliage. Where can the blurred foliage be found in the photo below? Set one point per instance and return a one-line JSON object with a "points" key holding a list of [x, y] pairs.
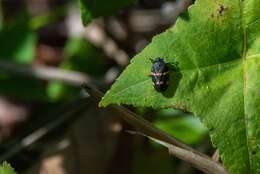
{"points": [[84, 57], [188, 129], [17, 40], [18, 44], [91, 9], [23, 88], [48, 18], [1, 17], [6, 168], [80, 56]]}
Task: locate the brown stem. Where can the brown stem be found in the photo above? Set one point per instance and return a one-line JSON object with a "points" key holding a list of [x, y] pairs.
{"points": [[176, 148]]}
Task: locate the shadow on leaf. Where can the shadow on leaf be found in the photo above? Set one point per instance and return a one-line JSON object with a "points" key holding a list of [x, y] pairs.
{"points": [[175, 77]]}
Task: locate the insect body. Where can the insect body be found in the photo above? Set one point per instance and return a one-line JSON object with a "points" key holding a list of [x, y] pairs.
{"points": [[159, 74]]}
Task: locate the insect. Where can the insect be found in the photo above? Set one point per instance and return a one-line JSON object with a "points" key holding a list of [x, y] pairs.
{"points": [[221, 9], [159, 74]]}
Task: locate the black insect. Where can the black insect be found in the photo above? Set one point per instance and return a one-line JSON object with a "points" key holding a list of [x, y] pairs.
{"points": [[221, 9], [159, 74]]}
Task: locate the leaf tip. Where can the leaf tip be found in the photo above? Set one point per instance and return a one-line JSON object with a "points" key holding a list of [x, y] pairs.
{"points": [[103, 103]]}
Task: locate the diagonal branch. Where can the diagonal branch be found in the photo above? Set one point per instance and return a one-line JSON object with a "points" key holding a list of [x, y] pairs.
{"points": [[176, 148], [197, 161]]}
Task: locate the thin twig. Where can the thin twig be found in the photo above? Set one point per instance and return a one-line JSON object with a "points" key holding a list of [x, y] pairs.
{"points": [[177, 148], [206, 165], [45, 73]]}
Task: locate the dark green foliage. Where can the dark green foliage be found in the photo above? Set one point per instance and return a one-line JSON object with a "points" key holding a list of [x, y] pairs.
{"points": [[17, 40], [84, 57], [80, 56], [94, 8]]}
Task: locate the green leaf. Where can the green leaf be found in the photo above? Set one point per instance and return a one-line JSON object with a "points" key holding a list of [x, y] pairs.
{"points": [[94, 8], [217, 47], [6, 168]]}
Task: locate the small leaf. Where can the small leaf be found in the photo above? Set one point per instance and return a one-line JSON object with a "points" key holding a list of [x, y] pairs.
{"points": [[6, 168], [94, 8], [218, 54]]}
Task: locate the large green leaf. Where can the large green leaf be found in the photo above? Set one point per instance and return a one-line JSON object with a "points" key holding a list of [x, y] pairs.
{"points": [[217, 47], [95, 8]]}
